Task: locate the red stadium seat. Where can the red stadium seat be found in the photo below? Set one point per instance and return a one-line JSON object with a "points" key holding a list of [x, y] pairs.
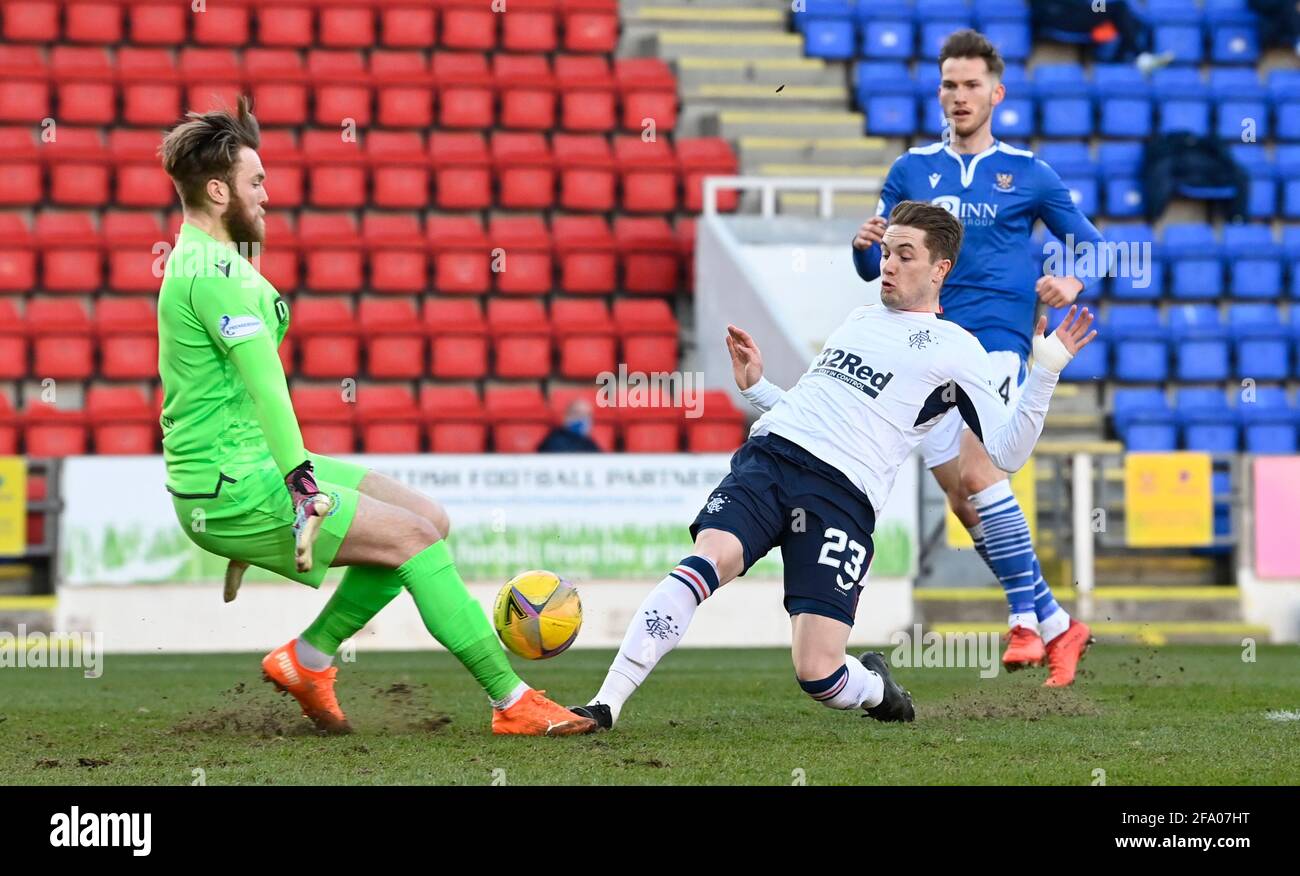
{"points": [[326, 332], [458, 338], [465, 95], [336, 172], [461, 261], [522, 337], [121, 420], [519, 416], [212, 78], [587, 174], [342, 88], [350, 27], [332, 246], [604, 424], [127, 329], [70, 251], [389, 418], [327, 420], [684, 230], [399, 259], [527, 90], [9, 436], [395, 338], [462, 170], [649, 253], [529, 26], [408, 27], [721, 428], [454, 417], [404, 89], [17, 254], [99, 23], [590, 25], [586, 87], [399, 169], [649, 333], [652, 428], [151, 86], [283, 162], [222, 24], [78, 166], [468, 24], [287, 25], [24, 89], [51, 431], [60, 331], [525, 170], [278, 82], [649, 173], [585, 336], [139, 180], [524, 246], [158, 23], [584, 247], [135, 257], [20, 167], [647, 90], [13, 341], [31, 21], [84, 79], [706, 156], [280, 259]]}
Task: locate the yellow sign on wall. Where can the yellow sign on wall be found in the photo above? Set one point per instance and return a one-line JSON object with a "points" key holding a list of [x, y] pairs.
{"points": [[13, 506], [1022, 485], [1168, 499]]}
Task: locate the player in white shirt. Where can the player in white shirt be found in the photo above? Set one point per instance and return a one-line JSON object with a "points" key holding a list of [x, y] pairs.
{"points": [[820, 462]]}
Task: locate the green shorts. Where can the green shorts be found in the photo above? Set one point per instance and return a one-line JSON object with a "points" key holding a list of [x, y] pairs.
{"points": [[251, 518]]}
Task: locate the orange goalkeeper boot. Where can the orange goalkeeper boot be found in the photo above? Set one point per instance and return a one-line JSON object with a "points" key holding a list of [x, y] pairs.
{"points": [[314, 691], [535, 715], [1024, 648], [1064, 653]]}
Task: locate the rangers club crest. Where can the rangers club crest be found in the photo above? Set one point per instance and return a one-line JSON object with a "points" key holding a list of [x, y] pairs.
{"points": [[1004, 182]]}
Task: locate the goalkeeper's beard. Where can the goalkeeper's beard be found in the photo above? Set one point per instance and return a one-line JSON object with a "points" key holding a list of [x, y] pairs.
{"points": [[243, 227]]}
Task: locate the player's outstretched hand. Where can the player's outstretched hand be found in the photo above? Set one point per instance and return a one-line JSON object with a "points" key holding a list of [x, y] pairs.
{"points": [[1055, 351], [871, 232], [746, 361]]}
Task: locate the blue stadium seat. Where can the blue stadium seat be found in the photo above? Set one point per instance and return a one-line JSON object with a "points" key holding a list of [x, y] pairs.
{"points": [[1014, 117], [827, 26], [885, 92], [1259, 168], [1139, 272], [1123, 98], [1200, 342], [1209, 424], [1064, 100], [990, 11], [1241, 103], [1073, 162], [1013, 39], [1140, 341], [823, 9], [937, 20], [1121, 185], [1262, 341], [1144, 420], [1093, 361], [1291, 252], [1233, 30], [1288, 172], [1284, 93], [888, 38], [1268, 421], [1193, 256], [1179, 92], [1177, 26], [1254, 261]]}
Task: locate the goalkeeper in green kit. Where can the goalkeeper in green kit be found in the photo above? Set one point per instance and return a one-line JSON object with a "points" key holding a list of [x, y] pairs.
{"points": [[244, 486]]}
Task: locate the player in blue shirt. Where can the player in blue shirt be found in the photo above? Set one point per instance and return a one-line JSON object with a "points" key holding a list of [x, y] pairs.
{"points": [[998, 192]]}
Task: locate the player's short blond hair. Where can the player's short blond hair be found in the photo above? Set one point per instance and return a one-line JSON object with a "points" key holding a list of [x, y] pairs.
{"points": [[206, 146]]}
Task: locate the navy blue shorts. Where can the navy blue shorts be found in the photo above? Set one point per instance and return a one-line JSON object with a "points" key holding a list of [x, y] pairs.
{"points": [[780, 494]]}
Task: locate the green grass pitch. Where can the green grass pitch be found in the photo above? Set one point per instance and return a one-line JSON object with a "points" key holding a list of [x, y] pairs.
{"points": [[1173, 715]]}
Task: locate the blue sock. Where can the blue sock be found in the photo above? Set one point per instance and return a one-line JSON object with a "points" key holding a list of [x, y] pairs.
{"points": [[1008, 550], [1052, 619]]}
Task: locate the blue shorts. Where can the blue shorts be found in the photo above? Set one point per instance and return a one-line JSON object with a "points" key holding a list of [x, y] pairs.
{"points": [[780, 494]]}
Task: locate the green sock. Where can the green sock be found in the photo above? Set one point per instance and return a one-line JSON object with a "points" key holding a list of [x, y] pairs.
{"points": [[456, 620], [361, 595]]}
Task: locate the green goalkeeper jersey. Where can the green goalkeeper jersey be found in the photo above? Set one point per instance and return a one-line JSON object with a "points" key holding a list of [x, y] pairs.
{"points": [[212, 300]]}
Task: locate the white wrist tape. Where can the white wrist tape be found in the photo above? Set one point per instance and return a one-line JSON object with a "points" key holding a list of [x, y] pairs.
{"points": [[1050, 353]]}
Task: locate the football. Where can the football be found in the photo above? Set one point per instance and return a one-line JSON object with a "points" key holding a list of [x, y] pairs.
{"points": [[537, 614]]}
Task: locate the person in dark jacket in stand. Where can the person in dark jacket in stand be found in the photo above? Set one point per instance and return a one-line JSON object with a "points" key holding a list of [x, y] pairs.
{"points": [[574, 435]]}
